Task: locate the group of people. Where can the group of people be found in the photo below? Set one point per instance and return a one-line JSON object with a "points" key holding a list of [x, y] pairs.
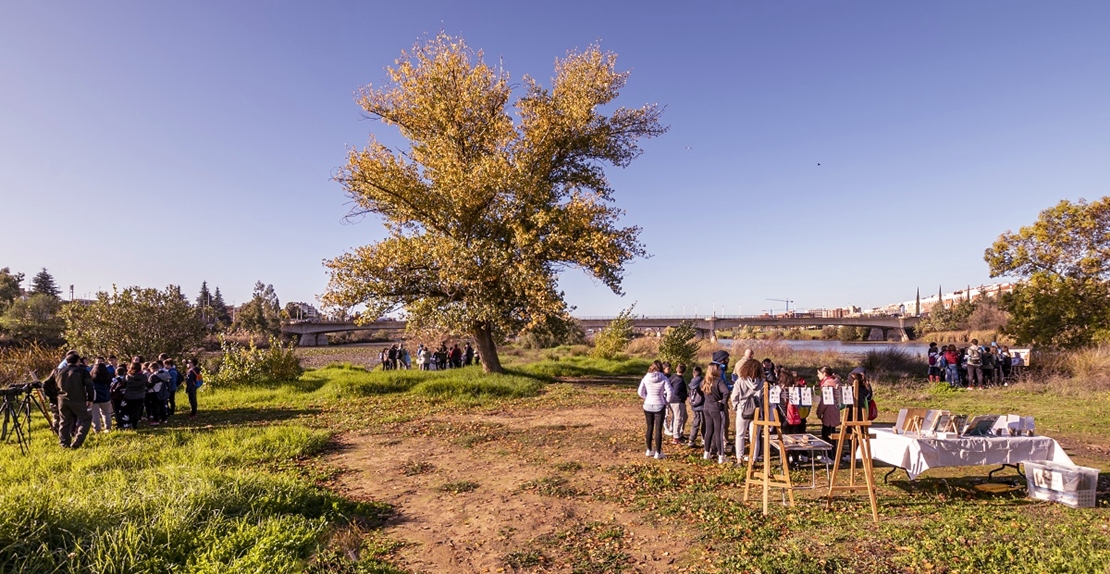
{"points": [[974, 366], [715, 397], [397, 357], [81, 396]]}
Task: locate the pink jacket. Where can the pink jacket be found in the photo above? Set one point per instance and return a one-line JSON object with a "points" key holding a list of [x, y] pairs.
{"points": [[829, 414]]}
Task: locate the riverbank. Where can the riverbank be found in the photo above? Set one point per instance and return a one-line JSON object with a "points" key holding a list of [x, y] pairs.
{"points": [[353, 471]]}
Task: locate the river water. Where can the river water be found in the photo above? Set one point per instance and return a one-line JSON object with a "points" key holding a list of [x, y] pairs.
{"points": [[852, 348]]}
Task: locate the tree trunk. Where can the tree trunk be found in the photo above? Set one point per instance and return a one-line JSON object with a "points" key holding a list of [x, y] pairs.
{"points": [[487, 349]]}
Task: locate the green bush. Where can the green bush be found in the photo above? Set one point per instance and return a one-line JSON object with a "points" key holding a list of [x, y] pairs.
{"points": [[679, 344], [613, 339], [254, 366]]}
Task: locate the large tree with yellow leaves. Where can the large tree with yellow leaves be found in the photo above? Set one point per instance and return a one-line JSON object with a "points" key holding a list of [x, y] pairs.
{"points": [[485, 207]]}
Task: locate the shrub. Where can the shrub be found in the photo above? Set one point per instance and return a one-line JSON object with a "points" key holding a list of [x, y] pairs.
{"points": [[613, 339], [893, 363], [829, 332], [679, 344], [254, 366]]}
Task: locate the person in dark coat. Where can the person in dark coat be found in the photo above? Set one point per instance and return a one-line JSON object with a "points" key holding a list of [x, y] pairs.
{"points": [[73, 385]]}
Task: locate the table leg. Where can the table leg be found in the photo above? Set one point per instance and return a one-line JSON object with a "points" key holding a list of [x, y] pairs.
{"points": [[990, 475], [892, 471]]}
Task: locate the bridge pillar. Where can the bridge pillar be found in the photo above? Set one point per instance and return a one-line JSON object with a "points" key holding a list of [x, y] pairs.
{"points": [[903, 335], [311, 339], [713, 329]]}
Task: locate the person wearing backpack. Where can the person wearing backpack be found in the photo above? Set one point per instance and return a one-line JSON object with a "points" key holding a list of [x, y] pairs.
{"points": [[101, 408], [193, 381], [676, 403], [73, 385], [175, 384], [934, 368], [974, 365], [745, 399], [697, 403]]}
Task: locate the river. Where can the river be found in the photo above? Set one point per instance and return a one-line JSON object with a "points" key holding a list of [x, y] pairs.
{"points": [[851, 348]]}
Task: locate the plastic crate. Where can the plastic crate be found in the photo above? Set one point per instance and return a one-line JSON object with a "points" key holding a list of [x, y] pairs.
{"points": [[1074, 486]]}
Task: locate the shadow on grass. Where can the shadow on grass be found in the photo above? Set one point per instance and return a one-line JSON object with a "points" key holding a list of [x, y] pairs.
{"points": [[234, 417]]}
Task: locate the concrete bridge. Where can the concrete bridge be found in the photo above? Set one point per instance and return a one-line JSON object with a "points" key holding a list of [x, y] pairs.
{"points": [[707, 326]]}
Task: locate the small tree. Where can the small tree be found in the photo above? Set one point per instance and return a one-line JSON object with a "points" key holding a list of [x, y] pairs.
{"points": [[43, 282], [10, 288], [613, 339], [680, 344], [135, 321], [262, 314], [34, 320], [848, 333]]}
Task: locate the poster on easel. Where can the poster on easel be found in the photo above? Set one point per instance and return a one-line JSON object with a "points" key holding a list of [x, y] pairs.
{"points": [[795, 396], [828, 395], [775, 395], [847, 396], [807, 397]]}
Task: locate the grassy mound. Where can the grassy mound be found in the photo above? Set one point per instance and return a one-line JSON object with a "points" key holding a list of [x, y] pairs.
{"points": [[202, 500]]}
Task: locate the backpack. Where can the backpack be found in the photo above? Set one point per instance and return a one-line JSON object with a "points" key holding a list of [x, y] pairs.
{"points": [[200, 380], [974, 358]]}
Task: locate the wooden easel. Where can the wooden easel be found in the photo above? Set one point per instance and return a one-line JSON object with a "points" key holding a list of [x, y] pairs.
{"points": [[856, 430], [763, 424]]}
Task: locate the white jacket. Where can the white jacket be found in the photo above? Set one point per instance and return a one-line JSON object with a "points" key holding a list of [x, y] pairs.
{"points": [[655, 389]]}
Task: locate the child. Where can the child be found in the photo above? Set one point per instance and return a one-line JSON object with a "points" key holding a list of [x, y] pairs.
{"points": [[697, 401]]}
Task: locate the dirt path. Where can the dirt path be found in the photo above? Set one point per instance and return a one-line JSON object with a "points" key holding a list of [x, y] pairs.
{"points": [[508, 492]]}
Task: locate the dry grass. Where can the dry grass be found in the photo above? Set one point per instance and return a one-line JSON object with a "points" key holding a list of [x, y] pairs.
{"points": [[17, 363], [957, 337], [1079, 372]]}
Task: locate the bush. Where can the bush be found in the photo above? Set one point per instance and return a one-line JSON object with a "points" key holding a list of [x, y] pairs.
{"points": [[254, 366], [894, 363], [829, 332], [679, 344], [848, 333], [613, 339]]}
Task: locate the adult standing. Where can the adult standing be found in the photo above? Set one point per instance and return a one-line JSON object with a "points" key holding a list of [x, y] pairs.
{"points": [[192, 377], [73, 386], [655, 390], [468, 354], [716, 401]]}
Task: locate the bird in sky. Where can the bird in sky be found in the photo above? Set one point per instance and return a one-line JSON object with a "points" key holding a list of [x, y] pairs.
{"points": [[818, 164]]}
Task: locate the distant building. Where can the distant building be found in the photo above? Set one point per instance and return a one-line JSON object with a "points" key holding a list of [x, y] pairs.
{"points": [[302, 312]]}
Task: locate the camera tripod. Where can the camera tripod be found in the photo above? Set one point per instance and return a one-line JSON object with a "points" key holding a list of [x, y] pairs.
{"points": [[16, 413]]}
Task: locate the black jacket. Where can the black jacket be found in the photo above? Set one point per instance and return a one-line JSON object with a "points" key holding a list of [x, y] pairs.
{"points": [[73, 383], [678, 389], [697, 398]]}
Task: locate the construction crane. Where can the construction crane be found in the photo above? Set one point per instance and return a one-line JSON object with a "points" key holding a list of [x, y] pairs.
{"points": [[787, 301]]}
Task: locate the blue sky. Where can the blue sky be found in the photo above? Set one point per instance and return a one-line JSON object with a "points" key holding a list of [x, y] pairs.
{"points": [[153, 143]]}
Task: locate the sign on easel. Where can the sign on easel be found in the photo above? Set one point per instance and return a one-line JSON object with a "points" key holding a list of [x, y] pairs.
{"points": [[856, 431], [807, 397], [769, 429]]}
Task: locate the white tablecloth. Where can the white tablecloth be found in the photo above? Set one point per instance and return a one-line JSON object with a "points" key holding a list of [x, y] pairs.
{"points": [[917, 455]]}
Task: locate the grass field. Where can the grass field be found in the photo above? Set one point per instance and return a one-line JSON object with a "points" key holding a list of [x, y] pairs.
{"points": [[252, 485]]}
